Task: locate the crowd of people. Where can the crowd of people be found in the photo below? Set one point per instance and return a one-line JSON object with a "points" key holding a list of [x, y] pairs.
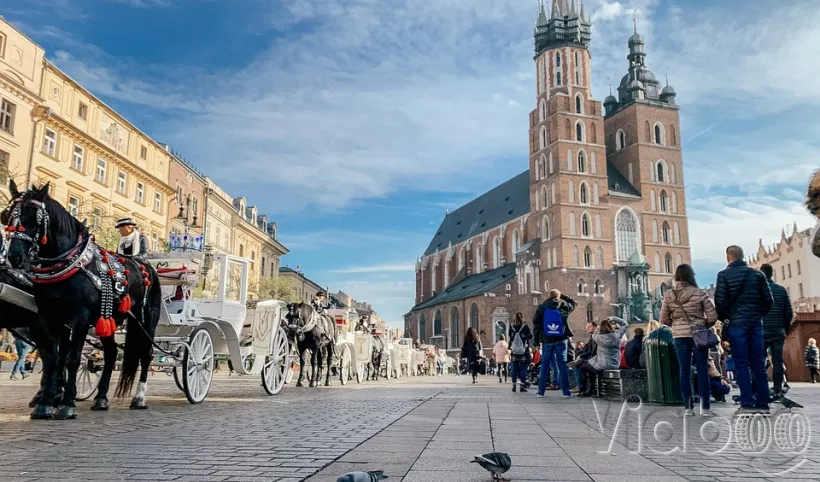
{"points": [[722, 344], [15, 346]]}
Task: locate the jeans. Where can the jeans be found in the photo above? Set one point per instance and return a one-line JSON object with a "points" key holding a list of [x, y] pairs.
{"points": [[554, 353], [750, 361], [685, 348], [22, 352], [776, 346], [577, 373], [519, 371]]}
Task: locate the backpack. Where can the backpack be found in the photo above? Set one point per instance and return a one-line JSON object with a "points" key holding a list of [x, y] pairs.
{"points": [[553, 323], [517, 346]]}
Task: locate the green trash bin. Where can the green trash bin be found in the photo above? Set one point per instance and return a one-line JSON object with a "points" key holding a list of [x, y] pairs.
{"points": [[662, 369]]}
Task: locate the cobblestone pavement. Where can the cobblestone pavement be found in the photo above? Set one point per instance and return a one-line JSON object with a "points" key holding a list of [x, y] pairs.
{"points": [[418, 429]]}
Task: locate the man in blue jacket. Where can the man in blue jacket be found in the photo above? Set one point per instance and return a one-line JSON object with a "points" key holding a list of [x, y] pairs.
{"points": [[553, 338], [743, 298], [776, 326]]}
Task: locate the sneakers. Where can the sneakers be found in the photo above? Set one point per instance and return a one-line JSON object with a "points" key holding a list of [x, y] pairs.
{"points": [[523, 390], [708, 413], [499, 381], [25, 375], [690, 412], [569, 396], [13, 377], [539, 395]]}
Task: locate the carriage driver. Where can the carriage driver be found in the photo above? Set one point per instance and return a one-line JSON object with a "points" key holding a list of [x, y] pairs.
{"points": [[319, 302], [132, 242]]}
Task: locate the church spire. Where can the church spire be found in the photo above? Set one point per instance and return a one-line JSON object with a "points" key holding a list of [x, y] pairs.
{"points": [[542, 15]]}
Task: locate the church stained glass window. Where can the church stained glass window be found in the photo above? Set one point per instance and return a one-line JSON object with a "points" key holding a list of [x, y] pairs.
{"points": [[626, 234]]}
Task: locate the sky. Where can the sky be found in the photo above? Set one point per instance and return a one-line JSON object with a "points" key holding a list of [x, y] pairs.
{"points": [[356, 123]]}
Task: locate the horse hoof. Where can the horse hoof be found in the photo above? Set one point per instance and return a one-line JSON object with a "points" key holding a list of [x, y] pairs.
{"points": [[138, 404], [327, 384], [64, 412], [312, 384], [299, 384], [100, 405], [41, 412]]}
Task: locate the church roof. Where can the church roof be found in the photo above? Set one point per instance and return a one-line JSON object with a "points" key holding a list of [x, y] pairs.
{"points": [[618, 184], [495, 207], [474, 285]]}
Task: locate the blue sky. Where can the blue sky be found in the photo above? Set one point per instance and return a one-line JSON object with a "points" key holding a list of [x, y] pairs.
{"points": [[356, 123]]}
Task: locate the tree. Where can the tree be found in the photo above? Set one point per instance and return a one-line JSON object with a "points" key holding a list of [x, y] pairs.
{"points": [[277, 288]]}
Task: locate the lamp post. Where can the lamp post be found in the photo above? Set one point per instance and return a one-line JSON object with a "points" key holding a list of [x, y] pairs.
{"points": [[188, 219]]}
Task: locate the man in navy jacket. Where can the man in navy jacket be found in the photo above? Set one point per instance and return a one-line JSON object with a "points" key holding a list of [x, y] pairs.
{"points": [[743, 297], [776, 326]]}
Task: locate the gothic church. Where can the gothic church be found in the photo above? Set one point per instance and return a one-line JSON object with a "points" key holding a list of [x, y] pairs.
{"points": [[600, 214]]}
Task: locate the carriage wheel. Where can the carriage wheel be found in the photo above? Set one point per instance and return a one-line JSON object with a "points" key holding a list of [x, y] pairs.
{"points": [[277, 364], [87, 379], [198, 363], [294, 362], [178, 379], [360, 373], [345, 361]]}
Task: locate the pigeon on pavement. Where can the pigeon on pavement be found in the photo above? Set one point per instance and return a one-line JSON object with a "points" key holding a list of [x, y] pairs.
{"points": [[496, 463], [372, 476], [790, 404]]}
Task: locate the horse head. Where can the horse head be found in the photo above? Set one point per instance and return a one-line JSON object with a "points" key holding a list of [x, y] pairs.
{"points": [[38, 226], [300, 319]]}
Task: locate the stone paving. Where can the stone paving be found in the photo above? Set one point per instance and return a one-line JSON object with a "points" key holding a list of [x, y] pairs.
{"points": [[418, 429]]}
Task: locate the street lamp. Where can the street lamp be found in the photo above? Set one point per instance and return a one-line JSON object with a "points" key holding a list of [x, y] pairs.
{"points": [[184, 216]]}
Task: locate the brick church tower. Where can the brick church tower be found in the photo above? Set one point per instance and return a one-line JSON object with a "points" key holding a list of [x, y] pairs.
{"points": [[568, 171]]}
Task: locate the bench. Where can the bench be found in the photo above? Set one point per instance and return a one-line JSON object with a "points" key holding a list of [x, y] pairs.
{"points": [[620, 385]]}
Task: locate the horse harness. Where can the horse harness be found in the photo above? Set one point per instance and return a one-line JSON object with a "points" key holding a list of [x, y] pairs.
{"points": [[111, 278]]}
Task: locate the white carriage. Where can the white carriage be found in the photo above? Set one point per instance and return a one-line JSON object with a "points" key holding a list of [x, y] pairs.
{"points": [[403, 356], [195, 332]]}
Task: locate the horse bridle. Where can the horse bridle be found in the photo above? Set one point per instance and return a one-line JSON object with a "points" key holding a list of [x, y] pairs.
{"points": [[17, 231]]}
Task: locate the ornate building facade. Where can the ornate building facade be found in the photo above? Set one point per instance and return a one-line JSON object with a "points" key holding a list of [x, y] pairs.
{"points": [[600, 214]]}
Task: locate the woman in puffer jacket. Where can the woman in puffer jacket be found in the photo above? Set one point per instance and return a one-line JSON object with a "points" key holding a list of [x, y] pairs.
{"points": [[685, 307], [608, 355]]}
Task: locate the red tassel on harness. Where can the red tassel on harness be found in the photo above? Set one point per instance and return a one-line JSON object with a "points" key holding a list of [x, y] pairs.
{"points": [[105, 259], [104, 327], [145, 274], [44, 240], [126, 272], [21, 229], [125, 304], [9, 229], [121, 259], [146, 283]]}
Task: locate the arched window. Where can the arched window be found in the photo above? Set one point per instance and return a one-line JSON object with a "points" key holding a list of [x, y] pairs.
{"points": [[558, 79], [579, 104], [516, 243], [674, 202], [575, 256], [590, 313], [657, 266], [659, 134], [676, 233], [543, 137], [652, 204], [582, 286], [626, 234], [586, 229], [542, 166], [601, 258], [454, 328], [583, 194], [545, 229], [554, 257], [552, 166], [654, 231], [620, 140], [437, 324], [557, 59], [599, 288], [593, 133], [579, 131], [648, 131], [664, 202], [668, 263], [474, 316], [544, 197], [542, 110], [422, 332], [660, 171], [595, 197], [667, 233], [588, 258], [496, 252], [572, 224], [571, 193], [582, 161], [598, 230]]}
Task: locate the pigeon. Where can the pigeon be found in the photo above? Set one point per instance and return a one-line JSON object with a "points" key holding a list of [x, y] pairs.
{"points": [[789, 404], [372, 476], [496, 463]]}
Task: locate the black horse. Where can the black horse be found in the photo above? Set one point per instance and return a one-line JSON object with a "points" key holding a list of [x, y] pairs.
{"points": [[379, 344], [75, 283], [315, 332]]}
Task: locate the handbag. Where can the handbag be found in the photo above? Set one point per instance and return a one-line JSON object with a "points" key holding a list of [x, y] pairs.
{"points": [[703, 336]]}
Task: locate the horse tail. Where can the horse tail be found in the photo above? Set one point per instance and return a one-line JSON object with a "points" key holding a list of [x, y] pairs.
{"points": [[139, 340]]}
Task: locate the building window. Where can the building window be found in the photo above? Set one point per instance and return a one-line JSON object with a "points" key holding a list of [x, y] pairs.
{"points": [[583, 194], [668, 263], [586, 229], [601, 258], [590, 313], [578, 103], [790, 270], [264, 264], [79, 158], [582, 286], [218, 237], [798, 267], [621, 141], [664, 202], [545, 229], [143, 153], [155, 242], [557, 59], [582, 161], [558, 79], [626, 234], [572, 224], [516, 242], [542, 111], [50, 143], [140, 197], [599, 288], [800, 288], [783, 272], [96, 217], [437, 324], [241, 251], [454, 341], [579, 132], [82, 111], [74, 206], [660, 172], [7, 110], [658, 134], [122, 182], [157, 202], [665, 232], [543, 137], [101, 168], [4, 159], [195, 207], [587, 258], [474, 316]]}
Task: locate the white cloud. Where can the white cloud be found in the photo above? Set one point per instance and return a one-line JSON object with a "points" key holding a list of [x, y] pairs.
{"points": [[607, 11]]}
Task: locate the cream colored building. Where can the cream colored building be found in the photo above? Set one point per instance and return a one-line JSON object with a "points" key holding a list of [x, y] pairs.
{"points": [[21, 72], [218, 218], [795, 267]]}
